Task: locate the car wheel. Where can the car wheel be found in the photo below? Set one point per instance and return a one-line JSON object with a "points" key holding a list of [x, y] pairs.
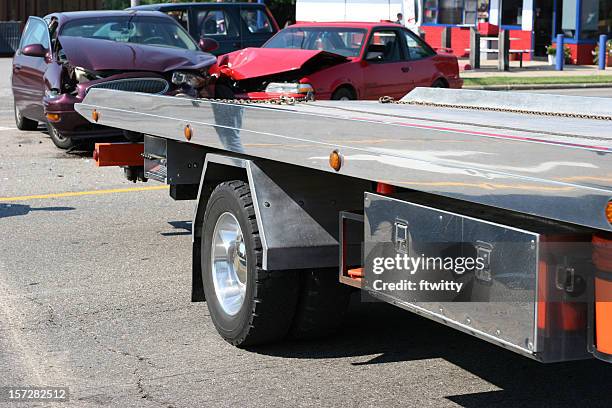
{"points": [[248, 305], [22, 122], [343, 94], [63, 142], [439, 83], [134, 137]]}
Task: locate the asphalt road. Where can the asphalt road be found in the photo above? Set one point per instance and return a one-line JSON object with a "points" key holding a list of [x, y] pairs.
{"points": [[95, 296]]}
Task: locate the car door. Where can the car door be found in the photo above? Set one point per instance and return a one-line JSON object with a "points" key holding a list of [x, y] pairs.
{"points": [[419, 59], [216, 23], [256, 26], [28, 72], [385, 70]]}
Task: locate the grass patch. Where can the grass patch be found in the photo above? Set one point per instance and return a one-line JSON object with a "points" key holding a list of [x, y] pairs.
{"points": [[587, 79]]}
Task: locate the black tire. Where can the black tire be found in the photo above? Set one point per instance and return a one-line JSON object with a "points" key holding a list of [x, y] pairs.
{"points": [[322, 305], [270, 298], [134, 137], [59, 140], [343, 94], [439, 83], [22, 122]]}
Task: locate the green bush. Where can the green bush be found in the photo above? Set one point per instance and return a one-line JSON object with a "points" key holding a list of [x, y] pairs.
{"points": [[596, 52], [552, 50]]}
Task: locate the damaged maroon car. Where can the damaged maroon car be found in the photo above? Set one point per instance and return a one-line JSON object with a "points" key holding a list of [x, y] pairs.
{"points": [[64, 55], [339, 61]]}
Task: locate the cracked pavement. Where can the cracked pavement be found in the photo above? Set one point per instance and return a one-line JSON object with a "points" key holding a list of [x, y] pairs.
{"points": [[95, 296]]}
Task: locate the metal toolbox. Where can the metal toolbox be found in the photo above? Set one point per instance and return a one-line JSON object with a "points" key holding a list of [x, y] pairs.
{"points": [[529, 292]]}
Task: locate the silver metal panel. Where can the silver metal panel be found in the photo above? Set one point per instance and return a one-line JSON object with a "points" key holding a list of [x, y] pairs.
{"points": [[499, 306], [513, 100], [557, 168], [298, 224]]}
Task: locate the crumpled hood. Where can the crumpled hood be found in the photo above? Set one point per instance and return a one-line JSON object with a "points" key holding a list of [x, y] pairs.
{"points": [[101, 55], [260, 62]]}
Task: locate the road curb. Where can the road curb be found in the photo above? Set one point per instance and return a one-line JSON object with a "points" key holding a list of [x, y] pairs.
{"points": [[517, 87]]}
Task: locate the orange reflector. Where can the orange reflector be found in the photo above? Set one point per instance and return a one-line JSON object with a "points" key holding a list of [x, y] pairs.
{"points": [[609, 212], [188, 132], [356, 273], [542, 295], [602, 253], [335, 160], [385, 189], [53, 117], [603, 315], [602, 258], [95, 115]]}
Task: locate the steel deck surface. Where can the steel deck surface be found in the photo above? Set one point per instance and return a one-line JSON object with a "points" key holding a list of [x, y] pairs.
{"points": [[549, 166]]}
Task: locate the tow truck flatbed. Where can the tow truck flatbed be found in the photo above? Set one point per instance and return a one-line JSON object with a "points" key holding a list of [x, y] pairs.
{"points": [[286, 193], [555, 166]]}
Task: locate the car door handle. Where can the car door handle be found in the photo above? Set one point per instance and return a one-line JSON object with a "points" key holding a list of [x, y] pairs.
{"points": [[16, 67], [405, 69]]}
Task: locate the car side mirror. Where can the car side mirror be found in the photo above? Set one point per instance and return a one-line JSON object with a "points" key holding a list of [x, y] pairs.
{"points": [[208, 45], [35, 50]]}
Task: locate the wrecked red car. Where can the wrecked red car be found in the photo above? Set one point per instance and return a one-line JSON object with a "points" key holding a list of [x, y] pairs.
{"points": [[340, 61], [64, 55]]}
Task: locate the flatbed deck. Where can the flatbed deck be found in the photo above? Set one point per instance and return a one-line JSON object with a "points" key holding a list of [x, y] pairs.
{"points": [[551, 163]]}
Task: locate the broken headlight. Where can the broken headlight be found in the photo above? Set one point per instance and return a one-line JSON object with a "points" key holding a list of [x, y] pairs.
{"points": [[187, 78], [289, 88], [52, 93], [84, 75]]}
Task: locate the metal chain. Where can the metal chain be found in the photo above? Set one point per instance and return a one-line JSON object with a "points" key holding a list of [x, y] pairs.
{"points": [[390, 99], [281, 100]]}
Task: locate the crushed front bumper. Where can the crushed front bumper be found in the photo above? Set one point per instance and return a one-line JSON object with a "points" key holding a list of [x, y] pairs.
{"points": [[70, 123]]}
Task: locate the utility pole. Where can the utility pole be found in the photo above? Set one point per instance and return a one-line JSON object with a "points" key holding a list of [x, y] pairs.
{"points": [[503, 41], [134, 3]]}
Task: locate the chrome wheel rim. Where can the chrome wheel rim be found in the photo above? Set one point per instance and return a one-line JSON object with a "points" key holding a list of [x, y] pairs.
{"points": [[229, 263]]}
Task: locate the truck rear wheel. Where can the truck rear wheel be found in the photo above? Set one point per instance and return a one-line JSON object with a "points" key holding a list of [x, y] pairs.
{"points": [[322, 305], [247, 304]]}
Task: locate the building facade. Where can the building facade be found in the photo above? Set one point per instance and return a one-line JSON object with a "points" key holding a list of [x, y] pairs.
{"points": [[533, 24]]}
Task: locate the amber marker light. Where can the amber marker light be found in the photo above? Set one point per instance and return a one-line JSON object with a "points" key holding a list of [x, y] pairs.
{"points": [[95, 115], [609, 211], [53, 117], [188, 132], [335, 160]]}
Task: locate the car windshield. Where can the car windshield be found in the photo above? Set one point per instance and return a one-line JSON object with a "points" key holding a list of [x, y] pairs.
{"points": [[341, 40], [131, 29]]}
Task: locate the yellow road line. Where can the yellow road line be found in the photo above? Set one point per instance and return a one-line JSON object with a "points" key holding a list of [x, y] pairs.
{"points": [[83, 193]]}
